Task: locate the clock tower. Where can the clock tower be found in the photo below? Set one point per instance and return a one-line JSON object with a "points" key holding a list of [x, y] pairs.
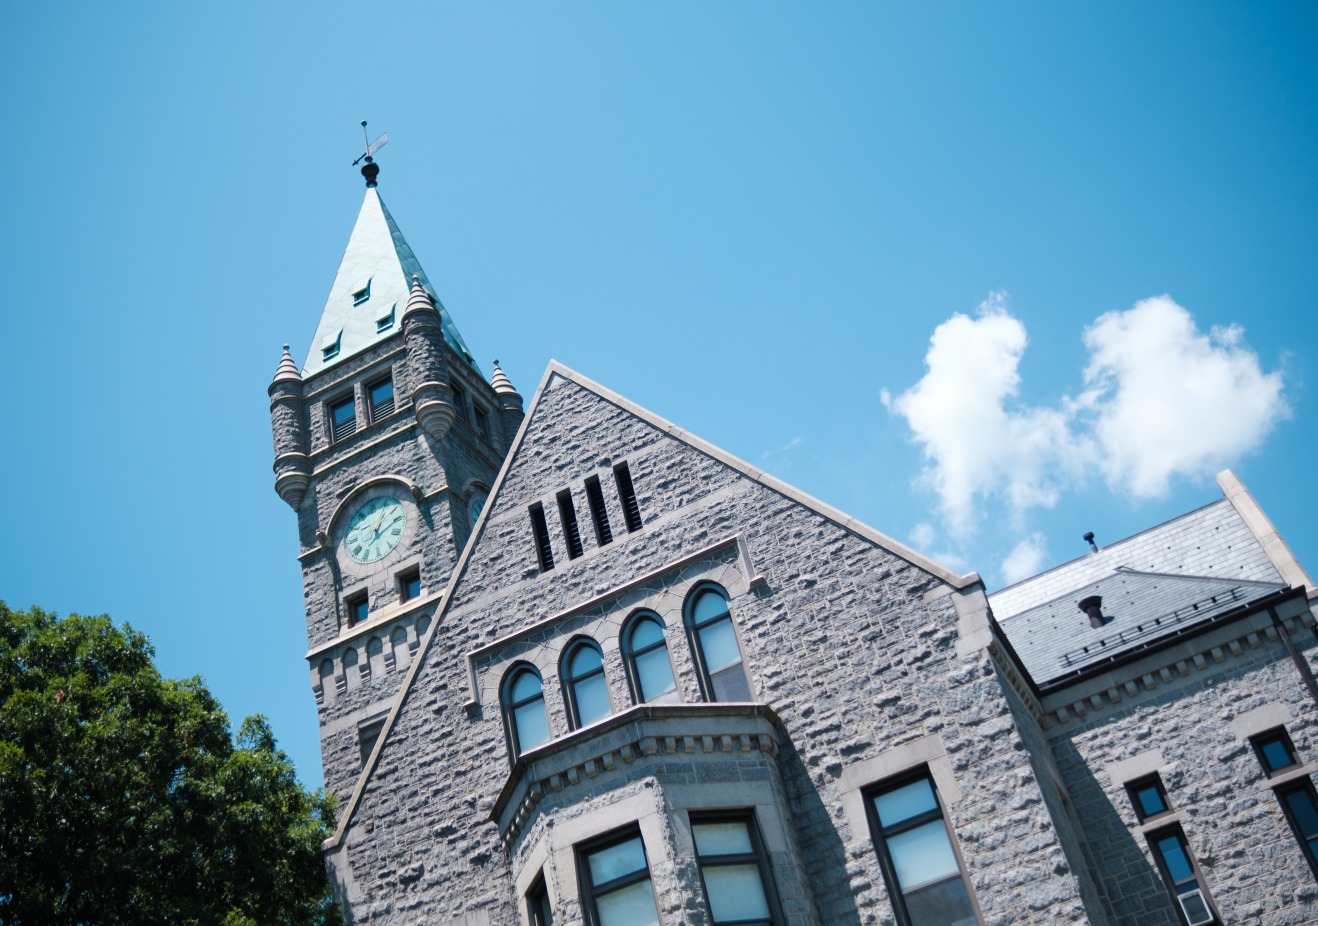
{"points": [[387, 441]]}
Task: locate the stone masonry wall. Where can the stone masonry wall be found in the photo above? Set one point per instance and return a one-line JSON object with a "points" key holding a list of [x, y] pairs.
{"points": [[852, 646], [1251, 862]]}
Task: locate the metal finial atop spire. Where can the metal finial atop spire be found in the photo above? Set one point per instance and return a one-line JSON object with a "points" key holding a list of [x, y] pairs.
{"points": [[370, 170]]}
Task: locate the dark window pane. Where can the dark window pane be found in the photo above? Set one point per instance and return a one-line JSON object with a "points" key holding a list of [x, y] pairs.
{"points": [[1150, 800], [1300, 802], [1276, 755], [1173, 855]]}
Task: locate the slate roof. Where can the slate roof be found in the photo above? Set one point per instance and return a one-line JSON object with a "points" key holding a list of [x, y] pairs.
{"points": [[378, 260], [1158, 583]]}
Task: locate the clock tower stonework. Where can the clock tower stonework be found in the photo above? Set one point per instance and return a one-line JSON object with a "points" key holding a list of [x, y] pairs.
{"points": [[387, 441]]}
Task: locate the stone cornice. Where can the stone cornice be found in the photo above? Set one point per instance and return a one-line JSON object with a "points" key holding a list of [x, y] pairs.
{"points": [[642, 732]]}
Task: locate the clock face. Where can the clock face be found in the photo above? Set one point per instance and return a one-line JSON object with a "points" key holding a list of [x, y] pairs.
{"points": [[375, 529]]}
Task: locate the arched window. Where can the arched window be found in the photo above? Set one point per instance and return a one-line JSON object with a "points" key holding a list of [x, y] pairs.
{"points": [[524, 706], [328, 683], [402, 654], [375, 657], [647, 660], [722, 674], [350, 674], [587, 689]]}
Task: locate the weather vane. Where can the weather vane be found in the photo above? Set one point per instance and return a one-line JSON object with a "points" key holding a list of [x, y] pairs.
{"points": [[370, 170]]}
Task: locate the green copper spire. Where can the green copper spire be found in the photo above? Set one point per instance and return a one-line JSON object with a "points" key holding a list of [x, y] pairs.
{"points": [[366, 302]]}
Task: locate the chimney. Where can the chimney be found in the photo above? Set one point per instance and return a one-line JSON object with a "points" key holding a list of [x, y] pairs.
{"points": [[1093, 606], [1089, 538]]}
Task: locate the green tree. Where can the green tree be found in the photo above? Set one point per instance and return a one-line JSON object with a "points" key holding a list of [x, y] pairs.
{"points": [[125, 800]]}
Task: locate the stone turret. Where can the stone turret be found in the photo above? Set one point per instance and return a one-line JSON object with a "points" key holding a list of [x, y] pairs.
{"points": [[510, 401], [423, 330], [288, 420]]}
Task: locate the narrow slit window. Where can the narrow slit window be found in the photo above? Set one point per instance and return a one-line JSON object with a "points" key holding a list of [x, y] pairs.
{"points": [[459, 400], [599, 515], [482, 420], [631, 511], [537, 904], [567, 513], [1178, 870], [381, 396], [367, 735], [540, 529]]}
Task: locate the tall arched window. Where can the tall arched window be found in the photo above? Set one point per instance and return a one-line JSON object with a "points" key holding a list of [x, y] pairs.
{"points": [[524, 707], [647, 660], [722, 674], [587, 689]]}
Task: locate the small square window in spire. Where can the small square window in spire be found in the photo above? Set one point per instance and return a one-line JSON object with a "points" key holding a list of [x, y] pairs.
{"points": [[385, 321], [361, 292], [329, 347]]}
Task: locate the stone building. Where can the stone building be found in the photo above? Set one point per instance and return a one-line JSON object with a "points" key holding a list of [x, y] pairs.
{"points": [[576, 665]]}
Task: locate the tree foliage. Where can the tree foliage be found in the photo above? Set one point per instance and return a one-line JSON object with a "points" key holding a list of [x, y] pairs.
{"points": [[124, 798]]}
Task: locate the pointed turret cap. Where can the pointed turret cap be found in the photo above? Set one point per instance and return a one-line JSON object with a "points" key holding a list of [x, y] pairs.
{"points": [[500, 381], [370, 291], [287, 370]]}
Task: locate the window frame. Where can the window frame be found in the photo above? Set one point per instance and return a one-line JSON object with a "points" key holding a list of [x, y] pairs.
{"points": [[570, 681], [544, 551], [567, 514], [351, 603], [539, 908], [510, 708], [591, 892], [379, 411], [481, 420], [1194, 883], [631, 508], [631, 653], [879, 836], [340, 432], [704, 674], [405, 580], [1279, 735], [1287, 787], [1143, 783], [758, 855], [599, 515]]}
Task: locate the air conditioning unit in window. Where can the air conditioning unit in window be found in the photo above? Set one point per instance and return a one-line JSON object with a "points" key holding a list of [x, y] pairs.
{"points": [[1195, 907]]}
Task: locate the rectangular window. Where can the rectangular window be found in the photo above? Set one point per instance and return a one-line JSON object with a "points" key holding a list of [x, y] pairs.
{"points": [[381, 395], [631, 512], [459, 400], [540, 529], [919, 859], [361, 292], [1299, 802], [1177, 867], [567, 513], [733, 868], [598, 514], [615, 882], [537, 904], [386, 321], [1148, 796], [367, 734], [482, 420], [343, 418], [358, 607], [409, 585], [1275, 751]]}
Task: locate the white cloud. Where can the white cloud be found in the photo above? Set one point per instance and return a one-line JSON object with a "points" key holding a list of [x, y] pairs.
{"points": [[1162, 400], [780, 460], [1025, 559], [1170, 401], [923, 535], [974, 445]]}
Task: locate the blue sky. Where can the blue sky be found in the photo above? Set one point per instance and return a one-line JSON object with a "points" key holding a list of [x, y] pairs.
{"points": [[984, 276]]}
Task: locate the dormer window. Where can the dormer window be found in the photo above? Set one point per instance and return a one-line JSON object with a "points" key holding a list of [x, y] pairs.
{"points": [[386, 321], [361, 292], [329, 347]]}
